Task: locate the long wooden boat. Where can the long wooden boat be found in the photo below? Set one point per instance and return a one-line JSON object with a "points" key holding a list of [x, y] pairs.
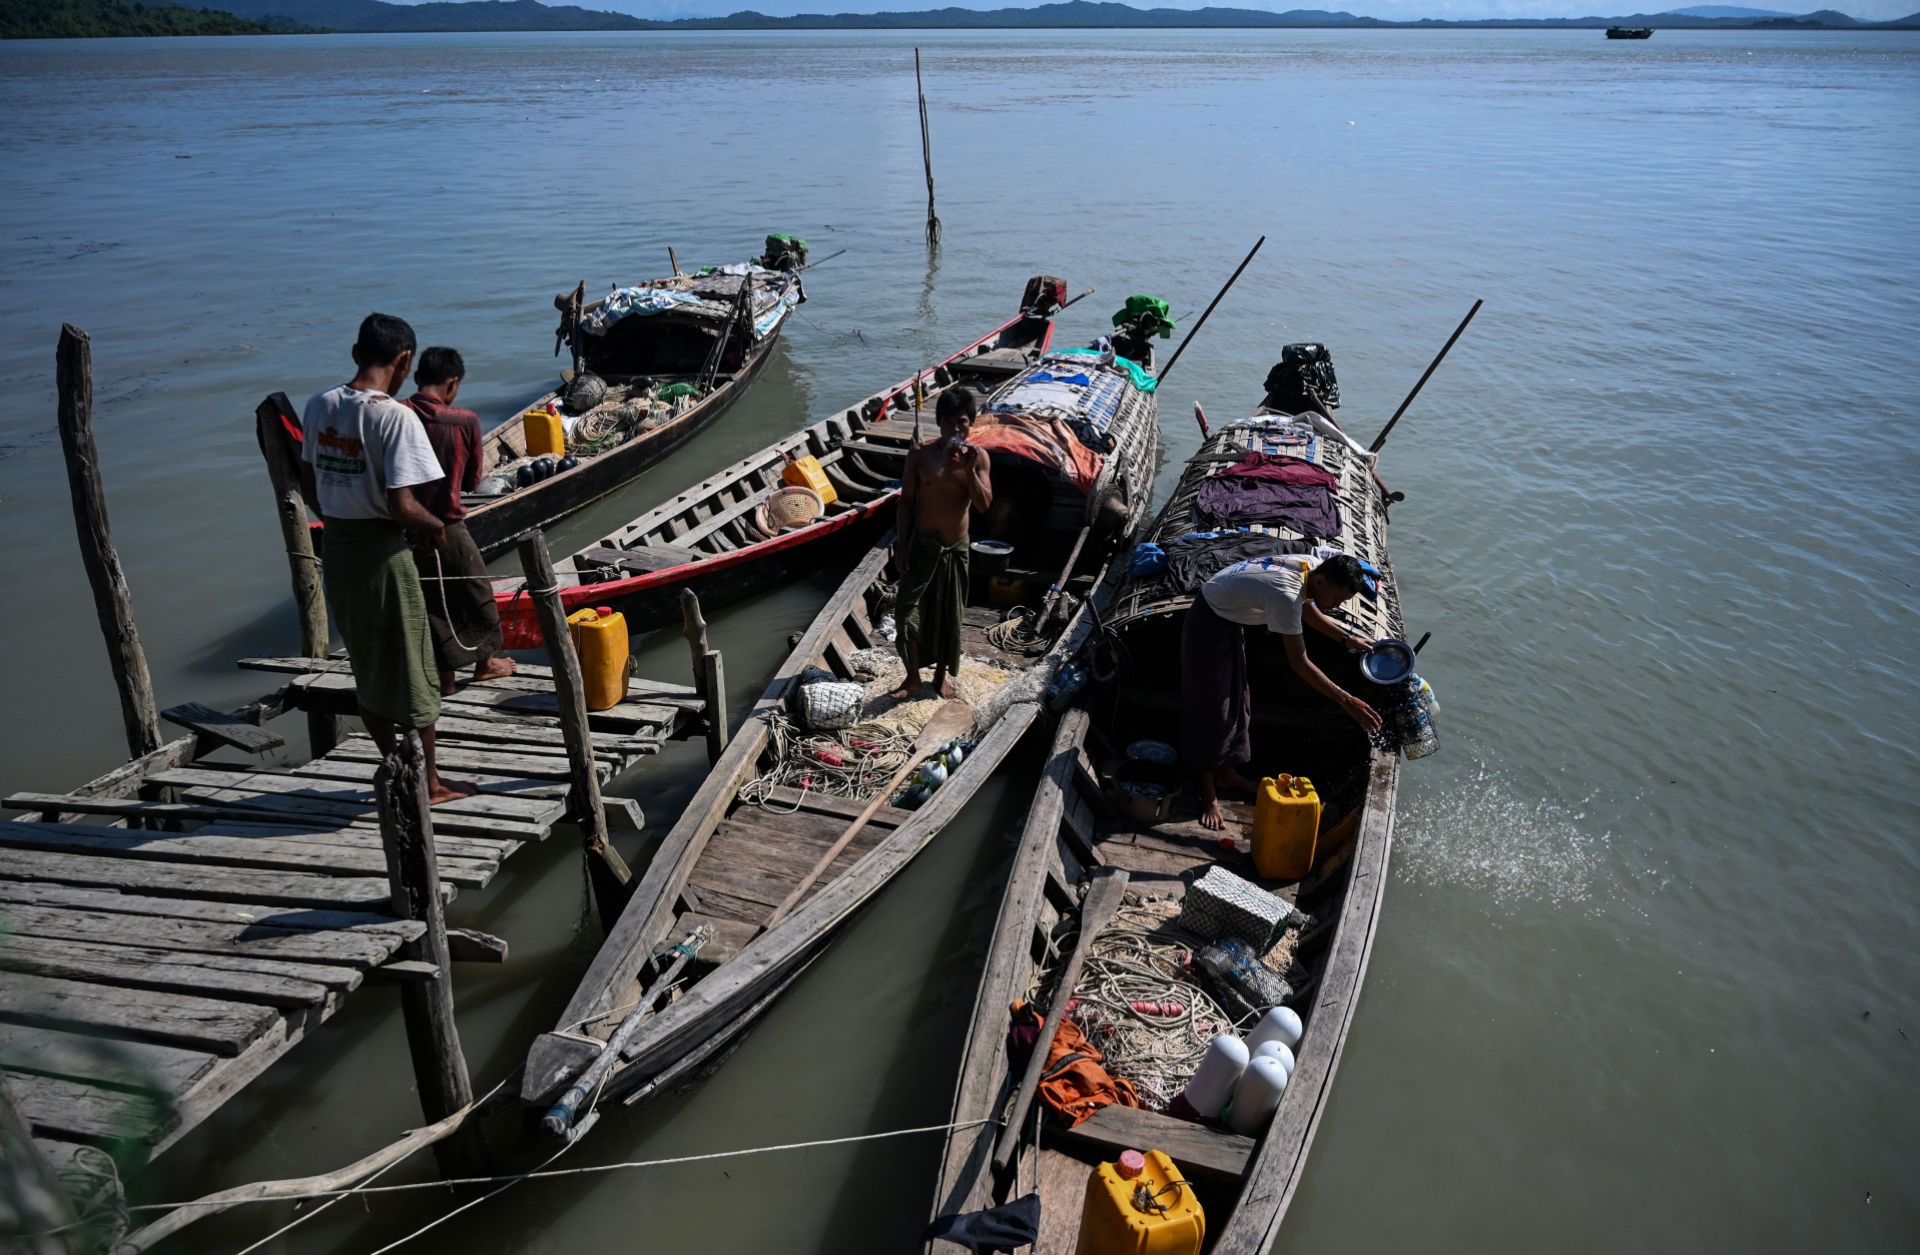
{"points": [[750, 838], [1629, 32], [1082, 826], [715, 537], [674, 354]]}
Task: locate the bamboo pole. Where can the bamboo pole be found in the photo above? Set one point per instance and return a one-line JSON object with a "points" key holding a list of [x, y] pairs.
{"points": [[413, 873], [309, 600], [926, 151], [1380, 440], [607, 869], [111, 597]]}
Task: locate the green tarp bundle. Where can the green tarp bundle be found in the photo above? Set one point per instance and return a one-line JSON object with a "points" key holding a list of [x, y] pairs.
{"points": [[1150, 312]]}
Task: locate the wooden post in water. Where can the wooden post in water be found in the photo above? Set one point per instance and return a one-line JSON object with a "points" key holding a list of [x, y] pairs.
{"points": [[413, 873], [111, 598], [610, 875], [709, 675], [926, 151], [309, 600]]}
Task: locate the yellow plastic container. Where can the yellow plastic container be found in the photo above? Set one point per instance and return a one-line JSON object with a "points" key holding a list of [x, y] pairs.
{"points": [[1114, 1221], [1286, 824], [545, 434], [600, 637], [807, 472]]}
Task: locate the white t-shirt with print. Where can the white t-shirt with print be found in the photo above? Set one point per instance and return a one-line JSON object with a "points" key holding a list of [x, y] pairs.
{"points": [[1263, 591], [361, 443]]}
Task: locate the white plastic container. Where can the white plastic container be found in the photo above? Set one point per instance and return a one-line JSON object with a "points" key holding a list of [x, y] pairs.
{"points": [[1257, 1096], [1279, 1024], [1276, 1049], [1214, 1080]]}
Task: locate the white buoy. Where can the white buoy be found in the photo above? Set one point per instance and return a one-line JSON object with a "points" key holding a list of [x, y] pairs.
{"points": [[1214, 1080], [1257, 1096], [1279, 1024], [1276, 1049]]}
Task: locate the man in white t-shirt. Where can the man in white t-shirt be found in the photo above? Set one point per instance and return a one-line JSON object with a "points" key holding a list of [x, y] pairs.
{"points": [[363, 453], [1285, 595]]}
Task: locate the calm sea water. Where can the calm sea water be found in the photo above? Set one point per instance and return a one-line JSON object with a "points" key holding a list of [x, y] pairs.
{"points": [[1647, 975]]}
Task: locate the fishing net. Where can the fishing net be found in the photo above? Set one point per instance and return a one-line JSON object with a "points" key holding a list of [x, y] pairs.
{"points": [[1139, 1002]]}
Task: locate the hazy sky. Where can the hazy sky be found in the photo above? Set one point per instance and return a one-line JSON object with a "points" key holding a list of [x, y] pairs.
{"points": [[1398, 10]]}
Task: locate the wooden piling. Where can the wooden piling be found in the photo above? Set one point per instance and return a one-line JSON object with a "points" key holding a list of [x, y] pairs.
{"points": [[608, 870], [709, 674], [296, 537], [413, 873], [111, 597], [926, 151]]}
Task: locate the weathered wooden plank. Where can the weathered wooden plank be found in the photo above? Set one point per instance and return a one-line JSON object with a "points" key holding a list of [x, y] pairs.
{"points": [[1195, 1147], [191, 880], [357, 836], [334, 767], [525, 811], [257, 852], [172, 1019], [107, 1062], [249, 803], [453, 757], [480, 701], [342, 948], [67, 1109], [223, 728], [813, 800], [257, 916], [527, 671], [139, 967]]}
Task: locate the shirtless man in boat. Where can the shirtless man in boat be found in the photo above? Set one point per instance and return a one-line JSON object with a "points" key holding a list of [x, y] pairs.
{"points": [[944, 482]]}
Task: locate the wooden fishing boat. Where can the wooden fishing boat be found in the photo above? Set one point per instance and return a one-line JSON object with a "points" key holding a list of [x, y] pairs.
{"points": [[1088, 825], [716, 538], [1629, 32], [764, 867], [654, 364]]}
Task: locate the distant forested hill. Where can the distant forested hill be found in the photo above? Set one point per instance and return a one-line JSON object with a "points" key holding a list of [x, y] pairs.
{"points": [[475, 15], [83, 19]]}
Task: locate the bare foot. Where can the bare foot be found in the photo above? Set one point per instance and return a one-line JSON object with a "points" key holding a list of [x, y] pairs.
{"points": [[947, 690], [494, 668], [1228, 779], [450, 791], [1211, 816], [910, 690]]}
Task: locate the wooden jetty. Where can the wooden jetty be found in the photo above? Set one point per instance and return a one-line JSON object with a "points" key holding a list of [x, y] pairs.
{"points": [[171, 928], [158, 962]]}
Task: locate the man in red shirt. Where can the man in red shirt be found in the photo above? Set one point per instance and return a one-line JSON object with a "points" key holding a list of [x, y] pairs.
{"points": [[460, 609]]}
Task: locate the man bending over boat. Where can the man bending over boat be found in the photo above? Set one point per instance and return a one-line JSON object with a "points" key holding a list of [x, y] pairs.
{"points": [[363, 455], [460, 609], [1286, 594], [943, 484]]}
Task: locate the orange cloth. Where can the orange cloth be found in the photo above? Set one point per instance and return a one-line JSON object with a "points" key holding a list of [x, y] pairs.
{"points": [[1074, 1082], [1046, 442]]}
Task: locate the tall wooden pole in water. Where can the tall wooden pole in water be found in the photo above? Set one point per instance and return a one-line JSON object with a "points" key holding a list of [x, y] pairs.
{"points": [[605, 868], [290, 504], [926, 151], [413, 876], [111, 597]]}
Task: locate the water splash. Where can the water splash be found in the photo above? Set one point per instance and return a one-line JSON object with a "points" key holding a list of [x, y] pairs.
{"points": [[1480, 833]]}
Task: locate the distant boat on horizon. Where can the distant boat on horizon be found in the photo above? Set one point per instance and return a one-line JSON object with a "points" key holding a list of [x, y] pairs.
{"points": [[1629, 32]]}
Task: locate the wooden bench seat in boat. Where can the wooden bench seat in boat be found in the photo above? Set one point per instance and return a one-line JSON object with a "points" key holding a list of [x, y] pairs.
{"points": [[1195, 1147], [642, 559]]}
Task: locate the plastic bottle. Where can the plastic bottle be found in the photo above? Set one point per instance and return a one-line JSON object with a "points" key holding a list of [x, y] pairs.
{"points": [[1414, 725], [1281, 1024], [1233, 963], [1276, 1050], [1214, 1080], [1257, 1096]]}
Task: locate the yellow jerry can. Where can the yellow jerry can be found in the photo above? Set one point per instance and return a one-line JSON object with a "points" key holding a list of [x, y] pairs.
{"points": [[1286, 823], [1140, 1205], [600, 638], [545, 434], [807, 472]]}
